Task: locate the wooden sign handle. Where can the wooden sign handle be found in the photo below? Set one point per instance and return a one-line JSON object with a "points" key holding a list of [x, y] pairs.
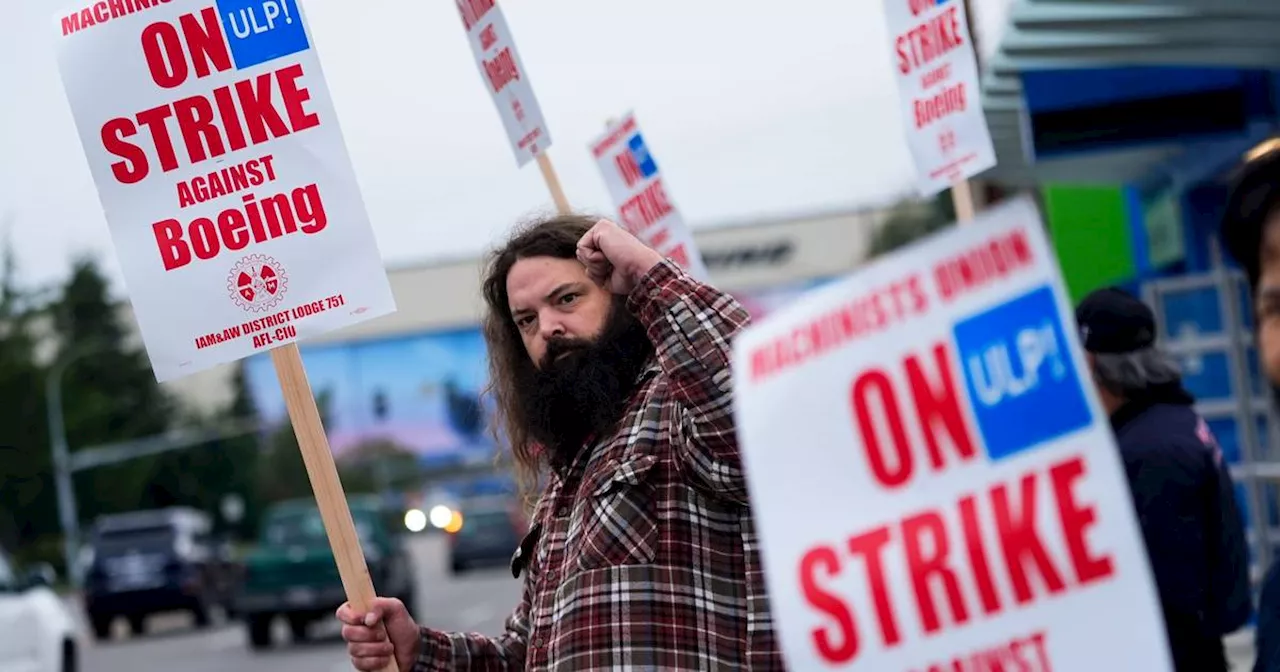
{"points": [[323, 473], [962, 200], [553, 183]]}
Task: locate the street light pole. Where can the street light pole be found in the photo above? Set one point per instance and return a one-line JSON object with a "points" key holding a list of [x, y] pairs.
{"points": [[62, 468]]}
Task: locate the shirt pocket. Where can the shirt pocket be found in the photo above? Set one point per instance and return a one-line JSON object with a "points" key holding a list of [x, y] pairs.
{"points": [[619, 524]]}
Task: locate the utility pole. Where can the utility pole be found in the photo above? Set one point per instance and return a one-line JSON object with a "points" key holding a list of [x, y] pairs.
{"points": [[65, 465], [62, 463], [381, 469]]}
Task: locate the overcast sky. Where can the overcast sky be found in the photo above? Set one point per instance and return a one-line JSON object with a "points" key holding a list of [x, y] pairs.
{"points": [[752, 109]]}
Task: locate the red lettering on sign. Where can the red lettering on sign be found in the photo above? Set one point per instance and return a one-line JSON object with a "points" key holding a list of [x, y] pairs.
{"points": [[870, 547], [951, 100], [927, 549], [934, 404], [614, 136], [1075, 520], [502, 70], [928, 544], [920, 6], [929, 41], [166, 50], [939, 74], [101, 12], [871, 313], [628, 168], [976, 550], [842, 646], [473, 10], [1020, 539], [236, 228], [1021, 654], [983, 264], [890, 471], [225, 181], [488, 37], [245, 113], [646, 208], [679, 254]]}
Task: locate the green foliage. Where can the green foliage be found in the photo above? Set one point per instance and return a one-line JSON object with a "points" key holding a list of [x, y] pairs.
{"points": [[242, 456], [374, 459], [109, 393], [282, 474], [27, 506], [909, 221]]}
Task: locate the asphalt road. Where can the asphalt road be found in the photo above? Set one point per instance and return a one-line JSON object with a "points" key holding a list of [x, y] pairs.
{"points": [[478, 601]]}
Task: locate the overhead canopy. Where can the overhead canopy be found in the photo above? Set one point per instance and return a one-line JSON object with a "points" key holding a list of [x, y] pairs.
{"points": [[1151, 75]]}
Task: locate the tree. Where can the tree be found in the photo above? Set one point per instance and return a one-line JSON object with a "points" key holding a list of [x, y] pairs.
{"points": [[243, 454], [281, 473], [110, 393], [911, 220], [361, 466], [28, 507]]}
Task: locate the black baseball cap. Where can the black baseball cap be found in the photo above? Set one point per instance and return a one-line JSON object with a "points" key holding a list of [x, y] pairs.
{"points": [[1113, 321], [1254, 193]]}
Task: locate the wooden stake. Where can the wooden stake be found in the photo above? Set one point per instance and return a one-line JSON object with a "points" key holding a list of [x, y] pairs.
{"points": [[553, 183], [323, 473], [962, 200]]}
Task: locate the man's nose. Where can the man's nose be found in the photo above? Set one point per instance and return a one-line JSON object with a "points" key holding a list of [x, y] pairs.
{"points": [[550, 327]]}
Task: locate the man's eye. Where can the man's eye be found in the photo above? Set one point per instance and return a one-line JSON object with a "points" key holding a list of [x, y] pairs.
{"points": [[568, 298], [1268, 305], [524, 321]]}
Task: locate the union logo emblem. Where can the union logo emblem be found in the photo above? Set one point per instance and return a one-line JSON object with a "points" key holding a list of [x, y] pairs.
{"points": [[257, 283]]}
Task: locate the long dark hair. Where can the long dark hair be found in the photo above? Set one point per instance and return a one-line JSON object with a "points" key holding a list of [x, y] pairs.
{"points": [[555, 237]]}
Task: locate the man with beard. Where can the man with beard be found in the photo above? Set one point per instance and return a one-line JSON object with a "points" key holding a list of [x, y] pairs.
{"points": [[610, 368]]}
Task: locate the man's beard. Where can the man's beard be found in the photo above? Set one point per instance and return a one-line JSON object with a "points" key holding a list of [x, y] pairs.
{"points": [[580, 388]]}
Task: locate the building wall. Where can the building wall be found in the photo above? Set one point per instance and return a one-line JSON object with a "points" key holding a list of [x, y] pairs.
{"points": [[746, 257]]}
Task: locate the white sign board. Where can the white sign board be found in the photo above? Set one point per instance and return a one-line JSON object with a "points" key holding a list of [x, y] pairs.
{"points": [[223, 174], [505, 77], [937, 76], [644, 206], [933, 478]]}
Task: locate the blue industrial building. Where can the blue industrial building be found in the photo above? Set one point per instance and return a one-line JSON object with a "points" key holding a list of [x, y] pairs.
{"points": [[1128, 119]]}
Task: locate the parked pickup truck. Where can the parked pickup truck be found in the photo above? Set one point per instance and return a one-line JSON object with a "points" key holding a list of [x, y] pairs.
{"points": [[291, 573]]}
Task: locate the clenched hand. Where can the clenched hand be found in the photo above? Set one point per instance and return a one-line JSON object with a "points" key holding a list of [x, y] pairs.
{"points": [[615, 259], [371, 645]]}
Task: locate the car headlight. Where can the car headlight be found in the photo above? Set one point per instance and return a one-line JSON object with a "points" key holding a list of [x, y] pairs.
{"points": [[441, 516], [415, 520]]}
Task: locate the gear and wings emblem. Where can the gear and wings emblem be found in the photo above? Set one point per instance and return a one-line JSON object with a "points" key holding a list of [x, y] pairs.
{"points": [[258, 283]]}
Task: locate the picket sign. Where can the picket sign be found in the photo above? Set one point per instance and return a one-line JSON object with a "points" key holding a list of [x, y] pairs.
{"points": [[504, 76], [941, 101], [645, 208], [934, 480], [221, 169]]}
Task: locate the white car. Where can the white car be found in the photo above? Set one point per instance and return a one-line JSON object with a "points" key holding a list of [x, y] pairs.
{"points": [[37, 631]]}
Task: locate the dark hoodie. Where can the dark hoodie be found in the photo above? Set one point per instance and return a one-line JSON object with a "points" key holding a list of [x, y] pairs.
{"points": [[1194, 534]]}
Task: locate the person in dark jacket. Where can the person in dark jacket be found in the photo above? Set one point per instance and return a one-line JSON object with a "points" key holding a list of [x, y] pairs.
{"points": [[1181, 489], [1251, 234]]}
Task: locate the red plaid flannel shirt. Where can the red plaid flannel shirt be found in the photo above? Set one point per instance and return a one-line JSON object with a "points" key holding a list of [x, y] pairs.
{"points": [[647, 556]]}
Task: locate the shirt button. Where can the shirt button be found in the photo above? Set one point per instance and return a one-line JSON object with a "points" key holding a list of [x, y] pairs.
{"points": [[562, 512], [537, 642]]}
